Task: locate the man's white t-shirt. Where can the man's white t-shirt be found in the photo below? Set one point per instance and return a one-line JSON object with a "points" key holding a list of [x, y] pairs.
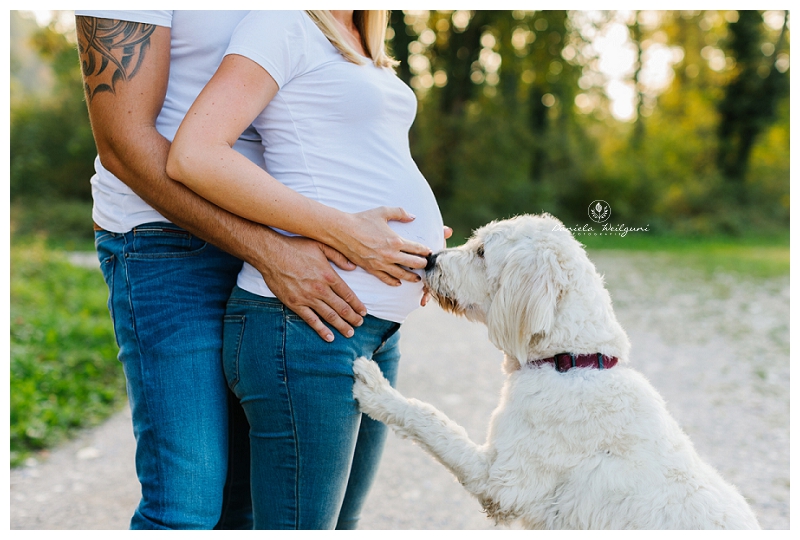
{"points": [[337, 132], [197, 45]]}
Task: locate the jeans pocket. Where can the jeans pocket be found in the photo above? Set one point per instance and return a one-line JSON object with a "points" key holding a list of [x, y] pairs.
{"points": [[232, 333], [163, 240]]}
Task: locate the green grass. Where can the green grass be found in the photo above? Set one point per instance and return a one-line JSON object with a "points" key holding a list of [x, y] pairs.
{"points": [[64, 372], [753, 256]]}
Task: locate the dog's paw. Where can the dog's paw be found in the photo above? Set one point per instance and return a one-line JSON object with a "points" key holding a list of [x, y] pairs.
{"points": [[376, 397], [370, 385], [368, 373]]}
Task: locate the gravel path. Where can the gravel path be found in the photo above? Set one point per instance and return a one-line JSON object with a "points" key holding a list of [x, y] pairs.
{"points": [[717, 348]]}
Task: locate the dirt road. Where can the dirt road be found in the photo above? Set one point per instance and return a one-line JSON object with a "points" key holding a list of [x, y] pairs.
{"points": [[717, 348]]}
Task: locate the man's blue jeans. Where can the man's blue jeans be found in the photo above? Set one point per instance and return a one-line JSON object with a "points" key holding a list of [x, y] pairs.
{"points": [[167, 295], [313, 454]]}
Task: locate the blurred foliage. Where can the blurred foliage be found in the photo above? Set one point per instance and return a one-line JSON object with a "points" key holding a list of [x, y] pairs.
{"points": [[64, 372], [58, 224], [751, 98], [515, 116], [52, 149]]}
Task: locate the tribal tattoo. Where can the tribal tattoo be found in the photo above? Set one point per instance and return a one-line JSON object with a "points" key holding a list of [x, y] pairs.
{"points": [[111, 51]]}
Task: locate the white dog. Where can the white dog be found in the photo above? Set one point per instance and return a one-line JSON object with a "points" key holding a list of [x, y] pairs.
{"points": [[568, 448]]}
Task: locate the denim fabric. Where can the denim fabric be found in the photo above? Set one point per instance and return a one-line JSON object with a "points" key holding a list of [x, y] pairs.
{"points": [[313, 454], [167, 295]]}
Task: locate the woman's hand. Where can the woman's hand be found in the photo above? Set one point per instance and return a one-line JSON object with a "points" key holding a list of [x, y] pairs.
{"points": [[367, 240]]}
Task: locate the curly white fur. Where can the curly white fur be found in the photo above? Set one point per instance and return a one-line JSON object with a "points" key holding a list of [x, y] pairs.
{"points": [[585, 449]]}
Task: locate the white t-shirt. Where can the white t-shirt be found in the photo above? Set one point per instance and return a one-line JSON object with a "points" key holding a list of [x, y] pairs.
{"points": [[197, 45], [337, 132]]}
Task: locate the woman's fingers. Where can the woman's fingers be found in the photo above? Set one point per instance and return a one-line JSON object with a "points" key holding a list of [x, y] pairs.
{"points": [[413, 248], [413, 260], [399, 272], [386, 278], [394, 213], [381, 251]]}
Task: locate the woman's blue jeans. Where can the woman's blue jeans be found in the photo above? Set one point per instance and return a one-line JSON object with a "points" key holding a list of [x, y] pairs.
{"points": [[313, 454], [167, 296]]}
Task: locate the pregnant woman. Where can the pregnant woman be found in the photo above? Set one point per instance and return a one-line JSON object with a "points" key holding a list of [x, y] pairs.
{"points": [[334, 120]]}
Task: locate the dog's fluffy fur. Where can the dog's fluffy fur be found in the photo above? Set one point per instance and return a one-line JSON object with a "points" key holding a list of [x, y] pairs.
{"points": [[581, 449]]}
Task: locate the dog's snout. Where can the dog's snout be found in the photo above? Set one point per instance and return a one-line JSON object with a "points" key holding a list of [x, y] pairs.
{"points": [[431, 258]]}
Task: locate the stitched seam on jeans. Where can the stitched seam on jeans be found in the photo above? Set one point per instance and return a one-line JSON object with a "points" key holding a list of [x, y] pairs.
{"points": [[294, 424], [239, 338], [144, 398]]}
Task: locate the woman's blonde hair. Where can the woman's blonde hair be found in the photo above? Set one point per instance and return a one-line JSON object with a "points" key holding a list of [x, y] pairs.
{"points": [[371, 24]]}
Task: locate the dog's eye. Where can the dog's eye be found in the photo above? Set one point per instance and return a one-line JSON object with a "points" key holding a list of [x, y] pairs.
{"points": [[480, 252]]}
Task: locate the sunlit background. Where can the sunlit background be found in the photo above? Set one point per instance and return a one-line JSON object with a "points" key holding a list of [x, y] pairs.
{"points": [[678, 119]]}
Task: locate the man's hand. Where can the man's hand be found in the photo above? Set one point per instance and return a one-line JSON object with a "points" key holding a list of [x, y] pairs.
{"points": [[307, 284]]}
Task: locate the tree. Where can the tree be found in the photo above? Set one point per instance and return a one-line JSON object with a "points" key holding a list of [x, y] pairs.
{"points": [[496, 132], [751, 99]]}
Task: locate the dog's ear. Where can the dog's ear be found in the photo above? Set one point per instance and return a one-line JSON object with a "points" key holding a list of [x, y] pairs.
{"points": [[525, 303]]}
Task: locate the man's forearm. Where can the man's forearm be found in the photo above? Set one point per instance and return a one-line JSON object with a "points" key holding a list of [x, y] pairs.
{"points": [[142, 167]]}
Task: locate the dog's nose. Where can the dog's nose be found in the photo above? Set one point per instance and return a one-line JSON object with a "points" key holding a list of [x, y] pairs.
{"points": [[431, 258]]}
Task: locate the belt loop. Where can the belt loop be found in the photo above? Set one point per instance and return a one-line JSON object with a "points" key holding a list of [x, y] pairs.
{"points": [[600, 361], [572, 359]]}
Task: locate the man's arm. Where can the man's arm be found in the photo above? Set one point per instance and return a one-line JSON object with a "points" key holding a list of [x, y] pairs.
{"points": [[125, 69]]}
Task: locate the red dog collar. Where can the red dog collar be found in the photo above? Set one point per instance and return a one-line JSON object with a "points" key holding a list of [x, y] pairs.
{"points": [[566, 361]]}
